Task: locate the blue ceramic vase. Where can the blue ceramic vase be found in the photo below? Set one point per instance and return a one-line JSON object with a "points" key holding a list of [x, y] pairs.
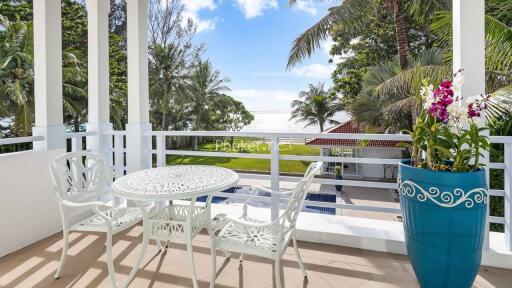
{"points": [[444, 216]]}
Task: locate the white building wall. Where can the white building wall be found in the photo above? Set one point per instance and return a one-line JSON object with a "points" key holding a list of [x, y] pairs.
{"points": [[377, 170]]}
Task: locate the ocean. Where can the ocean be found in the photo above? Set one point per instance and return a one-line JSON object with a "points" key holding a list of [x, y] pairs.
{"points": [[280, 122]]}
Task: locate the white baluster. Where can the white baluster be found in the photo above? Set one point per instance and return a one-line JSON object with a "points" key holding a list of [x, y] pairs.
{"points": [[76, 143], [119, 154], [160, 150]]}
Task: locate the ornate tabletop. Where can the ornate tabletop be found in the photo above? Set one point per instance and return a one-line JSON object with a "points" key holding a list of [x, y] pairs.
{"points": [[174, 182]]}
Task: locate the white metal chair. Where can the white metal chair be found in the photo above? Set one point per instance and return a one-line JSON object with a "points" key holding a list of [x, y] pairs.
{"points": [[262, 238], [80, 180]]}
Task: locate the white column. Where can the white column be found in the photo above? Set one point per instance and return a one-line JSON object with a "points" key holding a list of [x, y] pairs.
{"points": [[98, 77], [138, 145], [469, 54], [508, 195], [469, 44], [48, 75]]}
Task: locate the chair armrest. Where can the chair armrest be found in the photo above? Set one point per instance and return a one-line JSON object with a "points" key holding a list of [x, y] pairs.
{"points": [[84, 204]]}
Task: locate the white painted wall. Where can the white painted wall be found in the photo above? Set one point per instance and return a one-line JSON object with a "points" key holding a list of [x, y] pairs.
{"points": [[377, 170], [27, 202]]}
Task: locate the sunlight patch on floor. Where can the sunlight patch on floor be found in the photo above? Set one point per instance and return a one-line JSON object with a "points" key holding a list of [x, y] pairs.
{"points": [[82, 244], [19, 270], [55, 247]]}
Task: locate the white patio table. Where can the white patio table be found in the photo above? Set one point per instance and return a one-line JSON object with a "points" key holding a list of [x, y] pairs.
{"points": [[181, 220]]}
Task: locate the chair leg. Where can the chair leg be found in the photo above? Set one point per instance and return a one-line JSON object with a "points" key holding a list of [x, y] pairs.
{"points": [[214, 265], [191, 263], [65, 246], [145, 242], [301, 264], [277, 272], [110, 260]]}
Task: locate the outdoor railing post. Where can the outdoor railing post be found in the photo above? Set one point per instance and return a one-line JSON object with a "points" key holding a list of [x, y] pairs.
{"points": [[119, 154], [508, 194], [76, 144], [274, 176], [160, 150]]}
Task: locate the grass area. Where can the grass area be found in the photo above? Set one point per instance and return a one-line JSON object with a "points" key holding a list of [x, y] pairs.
{"points": [[248, 146]]}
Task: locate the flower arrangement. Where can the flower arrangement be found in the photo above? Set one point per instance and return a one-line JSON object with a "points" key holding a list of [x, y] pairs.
{"points": [[446, 136]]}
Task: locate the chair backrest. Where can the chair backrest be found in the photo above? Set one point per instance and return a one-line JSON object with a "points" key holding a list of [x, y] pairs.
{"points": [[80, 176], [298, 197]]}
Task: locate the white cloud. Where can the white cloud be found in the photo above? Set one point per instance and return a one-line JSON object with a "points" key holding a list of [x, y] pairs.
{"points": [[306, 6], [192, 8], [313, 71], [254, 8], [265, 99]]}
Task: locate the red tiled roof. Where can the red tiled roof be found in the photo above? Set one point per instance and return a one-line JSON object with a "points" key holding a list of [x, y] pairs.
{"points": [[351, 128]]}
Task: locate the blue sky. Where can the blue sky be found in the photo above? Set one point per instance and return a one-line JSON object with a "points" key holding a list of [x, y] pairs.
{"points": [[249, 41]]}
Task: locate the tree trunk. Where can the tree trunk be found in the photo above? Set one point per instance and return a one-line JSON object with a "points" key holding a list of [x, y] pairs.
{"points": [[401, 35], [164, 120], [403, 45], [194, 142], [76, 123], [321, 126], [196, 128]]}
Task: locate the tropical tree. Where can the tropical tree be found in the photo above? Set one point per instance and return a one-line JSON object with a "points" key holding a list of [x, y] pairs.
{"points": [[169, 73], [387, 99], [16, 75], [389, 92], [315, 106], [206, 87], [229, 114], [354, 16], [17, 78], [172, 60], [498, 57]]}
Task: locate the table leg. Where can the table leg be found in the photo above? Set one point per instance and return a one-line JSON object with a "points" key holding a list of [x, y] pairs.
{"points": [[145, 241], [188, 236]]}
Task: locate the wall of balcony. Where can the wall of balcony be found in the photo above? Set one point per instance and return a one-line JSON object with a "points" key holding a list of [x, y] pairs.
{"points": [[28, 210]]}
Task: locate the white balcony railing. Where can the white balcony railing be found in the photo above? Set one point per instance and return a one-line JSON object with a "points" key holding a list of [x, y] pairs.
{"points": [[275, 176], [160, 152]]}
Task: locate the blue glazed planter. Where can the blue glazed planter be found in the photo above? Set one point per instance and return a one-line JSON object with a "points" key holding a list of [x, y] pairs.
{"points": [[444, 217]]}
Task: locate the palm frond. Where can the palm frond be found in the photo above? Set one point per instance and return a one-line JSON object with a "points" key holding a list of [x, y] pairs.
{"points": [[500, 104], [498, 41], [350, 14]]}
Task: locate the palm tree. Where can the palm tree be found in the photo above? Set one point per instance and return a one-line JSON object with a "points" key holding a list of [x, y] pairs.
{"points": [[315, 107], [17, 78], [388, 92], [16, 75], [355, 15], [169, 70], [206, 86], [387, 99], [498, 59]]}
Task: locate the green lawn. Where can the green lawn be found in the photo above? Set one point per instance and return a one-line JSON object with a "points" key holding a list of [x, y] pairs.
{"points": [[247, 146]]}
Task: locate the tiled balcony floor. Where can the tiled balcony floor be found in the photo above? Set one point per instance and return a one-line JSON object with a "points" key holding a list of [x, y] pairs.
{"points": [[328, 266]]}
